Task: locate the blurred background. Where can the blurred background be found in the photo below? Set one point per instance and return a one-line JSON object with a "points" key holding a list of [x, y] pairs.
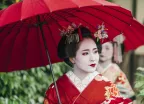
{"points": [[28, 87]]}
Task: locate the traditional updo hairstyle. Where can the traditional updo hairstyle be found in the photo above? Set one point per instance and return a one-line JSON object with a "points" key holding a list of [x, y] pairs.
{"points": [[69, 45]]}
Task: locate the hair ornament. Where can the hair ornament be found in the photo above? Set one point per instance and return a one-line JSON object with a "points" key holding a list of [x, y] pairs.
{"points": [[101, 33], [70, 34]]}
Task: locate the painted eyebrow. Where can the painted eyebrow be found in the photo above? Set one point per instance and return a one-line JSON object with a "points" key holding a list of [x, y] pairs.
{"points": [[88, 49], [85, 50], [95, 49]]}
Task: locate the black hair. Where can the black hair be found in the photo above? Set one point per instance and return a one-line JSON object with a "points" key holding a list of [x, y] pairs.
{"points": [[66, 51]]}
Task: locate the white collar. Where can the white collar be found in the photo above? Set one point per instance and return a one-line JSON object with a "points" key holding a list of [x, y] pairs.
{"points": [[81, 84]]}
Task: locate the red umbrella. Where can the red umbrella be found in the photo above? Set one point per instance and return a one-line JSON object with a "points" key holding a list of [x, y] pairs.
{"points": [[29, 30], [21, 44], [1, 11]]}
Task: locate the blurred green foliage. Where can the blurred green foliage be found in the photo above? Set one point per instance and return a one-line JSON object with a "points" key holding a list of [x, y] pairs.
{"points": [[28, 87], [139, 84], [6, 3]]}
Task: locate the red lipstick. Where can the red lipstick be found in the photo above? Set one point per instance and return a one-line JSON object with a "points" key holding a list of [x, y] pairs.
{"points": [[92, 65]]}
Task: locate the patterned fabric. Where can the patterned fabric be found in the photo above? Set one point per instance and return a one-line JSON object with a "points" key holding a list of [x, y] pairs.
{"points": [[114, 74], [117, 100], [96, 92], [121, 79], [111, 91]]}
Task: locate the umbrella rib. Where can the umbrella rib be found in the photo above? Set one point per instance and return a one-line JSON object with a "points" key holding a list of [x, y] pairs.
{"points": [[2, 29], [28, 30], [8, 32], [110, 14], [104, 12], [56, 21], [51, 34], [73, 10], [75, 16], [26, 47], [118, 10], [40, 45], [62, 17], [8, 62], [47, 16], [130, 41], [57, 24], [93, 16], [133, 32], [101, 20]]}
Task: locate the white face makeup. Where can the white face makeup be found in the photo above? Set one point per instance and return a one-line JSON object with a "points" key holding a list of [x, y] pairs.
{"points": [[107, 52], [87, 56]]}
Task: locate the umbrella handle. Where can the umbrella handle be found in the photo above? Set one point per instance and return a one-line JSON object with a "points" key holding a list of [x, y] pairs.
{"points": [[48, 56]]}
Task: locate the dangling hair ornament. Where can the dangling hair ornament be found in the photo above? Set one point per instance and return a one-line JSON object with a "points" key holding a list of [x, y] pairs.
{"points": [[69, 33], [101, 32], [118, 40]]}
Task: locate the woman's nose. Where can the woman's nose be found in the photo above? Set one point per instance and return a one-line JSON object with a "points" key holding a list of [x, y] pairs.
{"points": [[92, 57], [102, 51]]}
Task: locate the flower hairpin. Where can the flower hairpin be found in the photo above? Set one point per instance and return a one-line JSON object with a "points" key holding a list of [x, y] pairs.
{"points": [[72, 37], [101, 32], [68, 32]]}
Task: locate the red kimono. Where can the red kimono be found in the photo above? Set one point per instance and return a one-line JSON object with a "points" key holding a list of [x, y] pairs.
{"points": [[96, 92]]}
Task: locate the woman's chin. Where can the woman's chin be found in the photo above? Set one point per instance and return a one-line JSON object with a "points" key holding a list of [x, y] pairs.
{"points": [[102, 60], [91, 70]]}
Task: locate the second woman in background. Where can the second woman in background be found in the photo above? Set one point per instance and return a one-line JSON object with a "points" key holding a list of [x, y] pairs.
{"points": [[110, 55]]}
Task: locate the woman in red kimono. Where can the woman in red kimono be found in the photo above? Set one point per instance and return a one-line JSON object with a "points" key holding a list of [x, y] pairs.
{"points": [[109, 55], [82, 85]]}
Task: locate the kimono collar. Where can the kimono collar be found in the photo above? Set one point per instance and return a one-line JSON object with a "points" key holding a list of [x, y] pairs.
{"points": [[81, 84]]}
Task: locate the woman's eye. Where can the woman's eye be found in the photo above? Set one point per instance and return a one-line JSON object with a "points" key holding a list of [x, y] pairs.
{"points": [[85, 53], [96, 51], [107, 48]]}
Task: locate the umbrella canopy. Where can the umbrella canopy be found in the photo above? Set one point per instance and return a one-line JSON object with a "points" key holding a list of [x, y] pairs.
{"points": [[1, 11], [21, 26]]}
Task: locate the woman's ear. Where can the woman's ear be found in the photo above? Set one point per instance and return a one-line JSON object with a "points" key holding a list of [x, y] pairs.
{"points": [[72, 60]]}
